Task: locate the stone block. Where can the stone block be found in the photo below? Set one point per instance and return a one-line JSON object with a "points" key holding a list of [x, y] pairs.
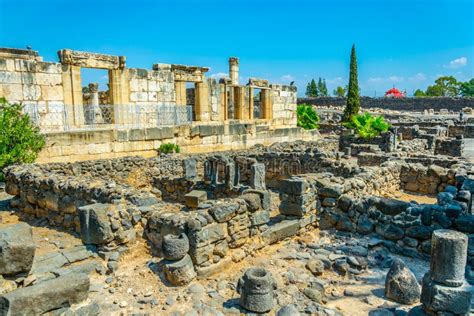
{"points": [[280, 231], [179, 272], [439, 298], [208, 234], [137, 134], [224, 212], [95, 224], [259, 218], [293, 185], [189, 168], [195, 197], [46, 296], [17, 249]]}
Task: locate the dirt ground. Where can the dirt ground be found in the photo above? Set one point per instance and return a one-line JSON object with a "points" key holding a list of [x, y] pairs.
{"points": [[138, 284]]}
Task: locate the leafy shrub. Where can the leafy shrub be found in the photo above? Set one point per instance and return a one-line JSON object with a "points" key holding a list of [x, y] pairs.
{"points": [[307, 118], [20, 139], [169, 148], [368, 126]]}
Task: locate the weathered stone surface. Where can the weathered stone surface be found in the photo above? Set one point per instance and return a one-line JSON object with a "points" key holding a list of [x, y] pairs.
{"points": [[448, 257], [259, 218], [288, 310], [465, 223], [195, 197], [315, 266], [293, 185], [280, 231], [179, 272], [401, 285], [256, 290], [257, 180], [390, 232], [391, 206], [439, 298], [17, 249], [209, 234], [95, 224], [224, 212], [46, 296], [175, 247]]}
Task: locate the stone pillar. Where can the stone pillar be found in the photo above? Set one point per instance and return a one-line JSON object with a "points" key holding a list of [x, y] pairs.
{"points": [[251, 103], [234, 70], [230, 102], [223, 112], [239, 103], [257, 180], [444, 290], [119, 96], [202, 101], [94, 113], [180, 88], [94, 94], [72, 89], [266, 104], [448, 257]]}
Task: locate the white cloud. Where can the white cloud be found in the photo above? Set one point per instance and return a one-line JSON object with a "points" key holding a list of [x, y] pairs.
{"points": [[334, 80], [287, 78], [457, 63], [390, 79], [395, 79], [219, 75], [419, 77]]}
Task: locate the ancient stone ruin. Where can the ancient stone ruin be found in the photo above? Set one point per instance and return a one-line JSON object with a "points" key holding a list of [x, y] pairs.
{"points": [[255, 215]]}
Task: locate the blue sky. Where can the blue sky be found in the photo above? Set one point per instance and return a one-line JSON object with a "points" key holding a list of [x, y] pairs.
{"points": [[405, 43]]}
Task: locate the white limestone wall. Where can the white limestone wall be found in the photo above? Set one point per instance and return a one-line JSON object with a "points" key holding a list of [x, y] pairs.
{"points": [[38, 86]]}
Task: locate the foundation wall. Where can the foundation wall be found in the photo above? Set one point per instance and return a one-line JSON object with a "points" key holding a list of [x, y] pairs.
{"points": [[196, 138]]}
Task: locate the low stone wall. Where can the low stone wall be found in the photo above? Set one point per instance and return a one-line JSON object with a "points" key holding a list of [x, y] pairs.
{"points": [[449, 147], [398, 104], [466, 131], [385, 142], [196, 138], [401, 226]]}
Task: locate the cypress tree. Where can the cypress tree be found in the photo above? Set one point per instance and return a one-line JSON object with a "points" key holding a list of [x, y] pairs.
{"points": [[308, 90], [353, 99], [320, 87], [325, 88], [314, 88]]}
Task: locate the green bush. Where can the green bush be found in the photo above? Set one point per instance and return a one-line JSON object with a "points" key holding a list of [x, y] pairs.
{"points": [[20, 139], [169, 148], [307, 118], [367, 126]]}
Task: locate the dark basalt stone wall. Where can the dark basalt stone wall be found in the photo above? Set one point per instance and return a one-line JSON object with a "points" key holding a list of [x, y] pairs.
{"points": [[399, 104]]}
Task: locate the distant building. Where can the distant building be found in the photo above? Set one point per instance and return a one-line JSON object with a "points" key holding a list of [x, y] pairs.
{"points": [[395, 93]]}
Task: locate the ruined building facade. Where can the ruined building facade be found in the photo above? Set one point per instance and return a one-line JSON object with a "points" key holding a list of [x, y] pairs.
{"points": [[53, 93]]}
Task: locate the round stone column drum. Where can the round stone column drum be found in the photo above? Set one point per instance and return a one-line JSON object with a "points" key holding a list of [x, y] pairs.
{"points": [[448, 257], [256, 290]]}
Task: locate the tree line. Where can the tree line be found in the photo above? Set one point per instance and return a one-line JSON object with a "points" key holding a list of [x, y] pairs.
{"points": [[448, 86], [317, 90]]}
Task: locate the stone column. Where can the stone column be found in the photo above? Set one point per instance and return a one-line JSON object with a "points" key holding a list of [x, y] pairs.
{"points": [[234, 70], [266, 104], [95, 114], [180, 88], [119, 96], [223, 112], [448, 257], [239, 104], [72, 89], [444, 289], [201, 102], [251, 103]]}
